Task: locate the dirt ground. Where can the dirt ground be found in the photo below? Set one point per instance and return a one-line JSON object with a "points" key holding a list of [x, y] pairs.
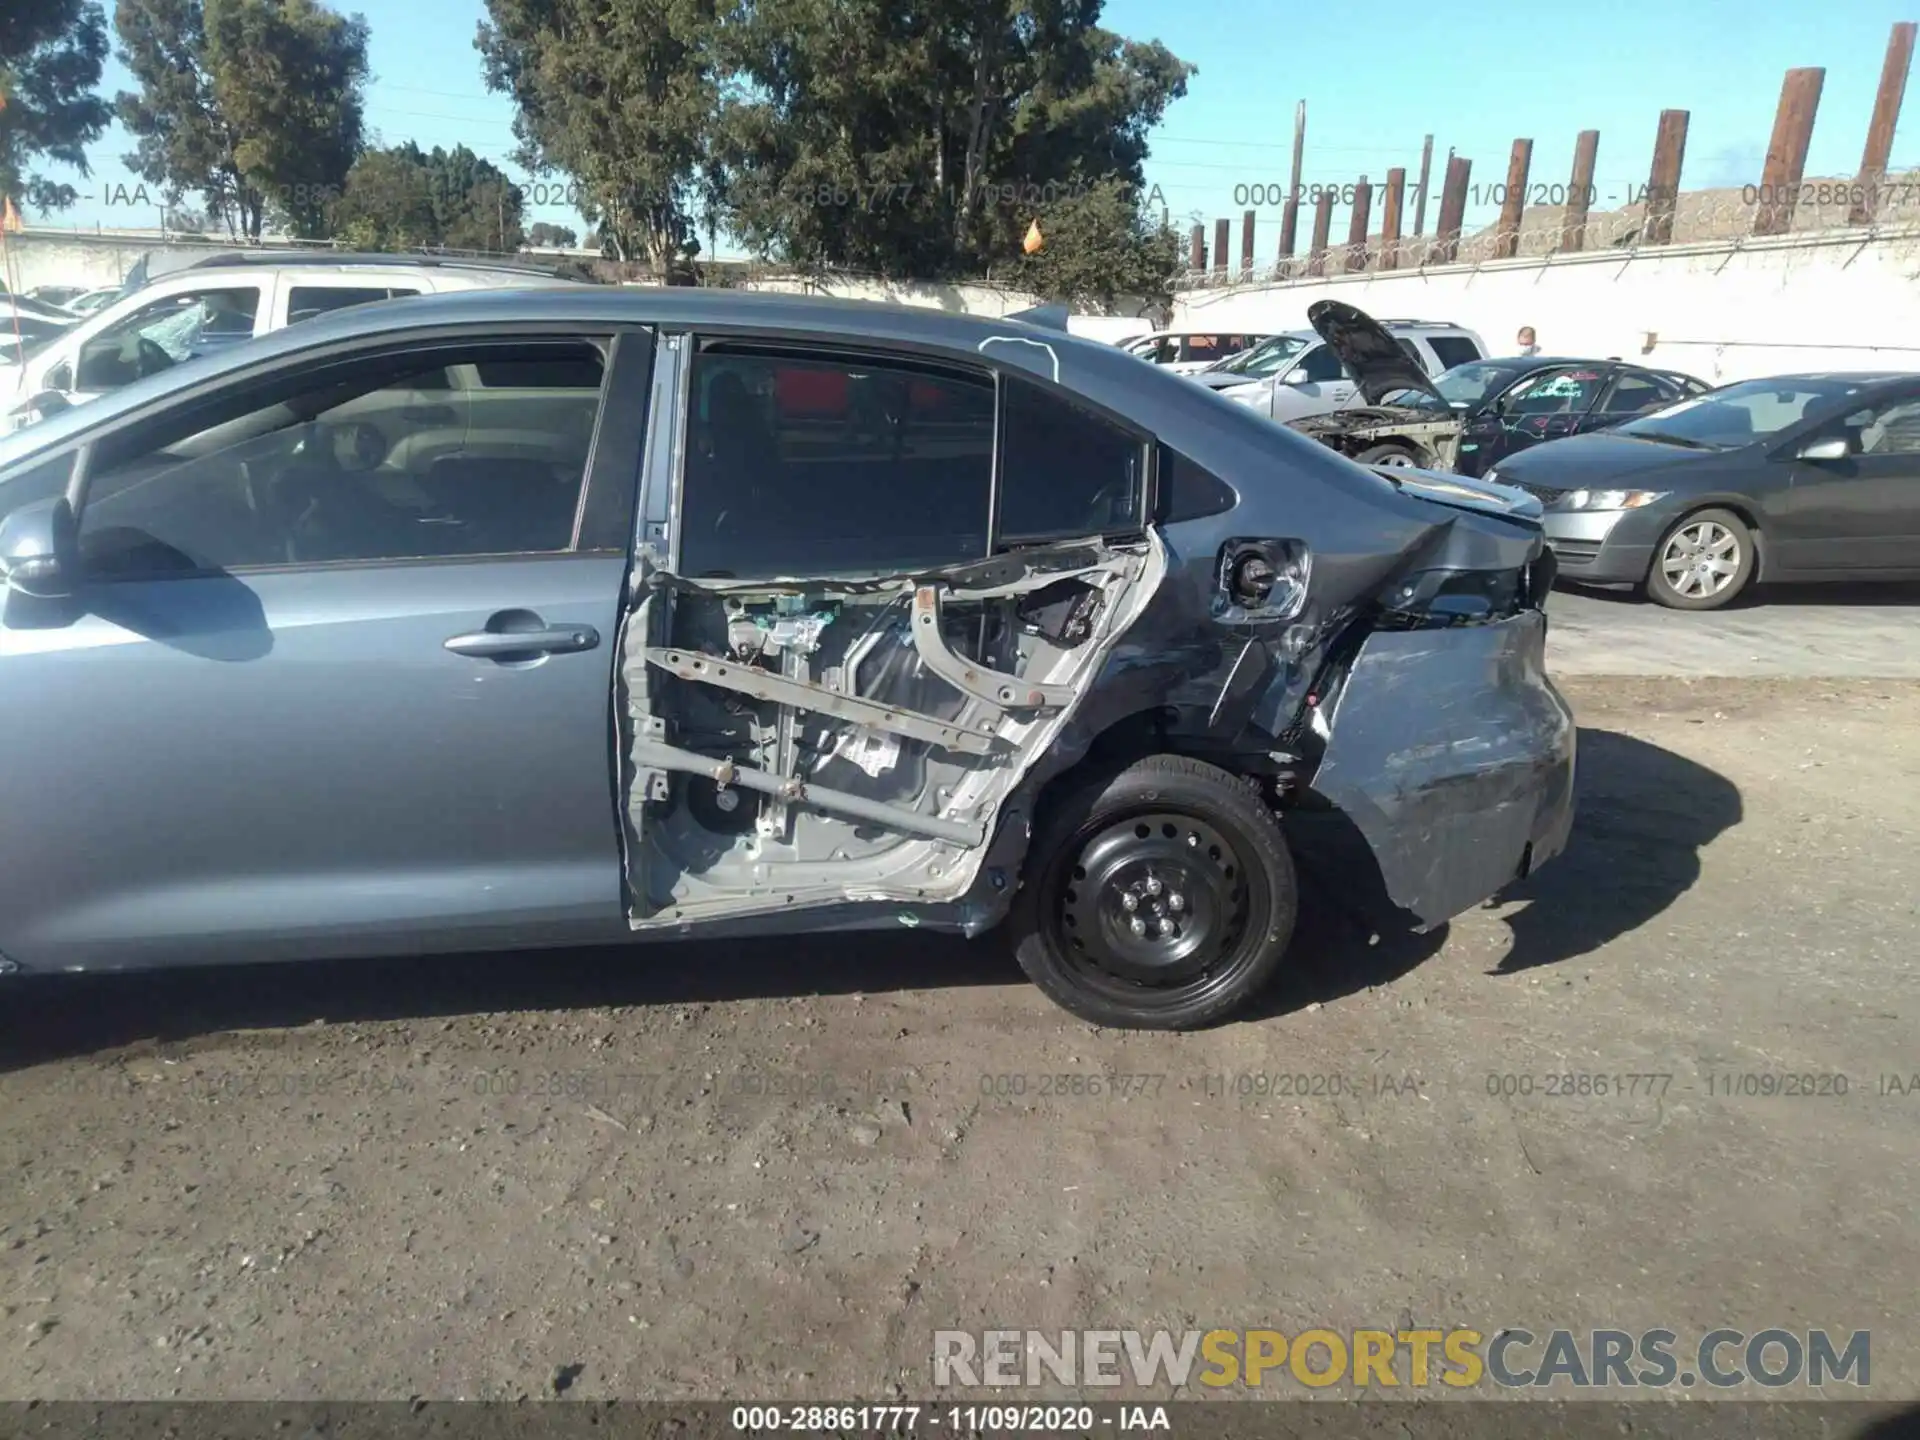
{"points": [[772, 1171]]}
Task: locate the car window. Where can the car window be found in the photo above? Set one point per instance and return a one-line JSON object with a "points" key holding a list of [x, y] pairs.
{"points": [[306, 301], [1454, 350], [1274, 356], [1411, 351], [349, 462], [1553, 392], [1633, 393], [163, 333], [1321, 364], [1889, 429], [1742, 413], [815, 466], [1064, 470]]}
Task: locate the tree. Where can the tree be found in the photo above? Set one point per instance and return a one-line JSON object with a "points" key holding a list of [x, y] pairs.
{"points": [[620, 96], [255, 105], [924, 140], [558, 237], [406, 198], [1101, 245], [51, 53]]}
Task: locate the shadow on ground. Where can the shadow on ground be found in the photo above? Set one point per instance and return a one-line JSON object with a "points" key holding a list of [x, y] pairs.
{"points": [[1858, 592], [1644, 813]]}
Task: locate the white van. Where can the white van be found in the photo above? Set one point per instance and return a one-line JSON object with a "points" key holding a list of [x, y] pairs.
{"points": [[225, 300]]}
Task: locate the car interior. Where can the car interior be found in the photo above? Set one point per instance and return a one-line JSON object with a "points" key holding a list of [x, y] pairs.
{"points": [[389, 462]]}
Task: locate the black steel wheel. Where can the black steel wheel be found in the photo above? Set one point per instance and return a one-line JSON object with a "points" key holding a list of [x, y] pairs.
{"points": [[1159, 898]]}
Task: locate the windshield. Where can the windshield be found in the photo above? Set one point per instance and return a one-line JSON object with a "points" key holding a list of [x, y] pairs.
{"points": [[1264, 359], [1741, 414], [1468, 385]]}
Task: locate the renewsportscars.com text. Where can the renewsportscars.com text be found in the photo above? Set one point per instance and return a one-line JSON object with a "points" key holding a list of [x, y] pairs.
{"points": [[1511, 1357]]}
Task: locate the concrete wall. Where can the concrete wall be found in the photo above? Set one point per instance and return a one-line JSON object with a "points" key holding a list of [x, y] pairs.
{"points": [[68, 258], [1840, 300]]}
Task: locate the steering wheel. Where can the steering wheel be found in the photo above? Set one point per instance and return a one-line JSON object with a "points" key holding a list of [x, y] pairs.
{"points": [[150, 359]]}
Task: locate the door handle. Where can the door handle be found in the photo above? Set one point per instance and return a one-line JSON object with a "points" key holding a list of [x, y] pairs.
{"points": [[493, 644]]}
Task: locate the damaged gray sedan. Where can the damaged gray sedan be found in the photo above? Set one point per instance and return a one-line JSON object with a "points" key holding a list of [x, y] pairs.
{"points": [[519, 619]]}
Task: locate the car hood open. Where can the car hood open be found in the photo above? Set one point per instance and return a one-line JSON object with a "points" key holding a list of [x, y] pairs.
{"points": [[1378, 364]]}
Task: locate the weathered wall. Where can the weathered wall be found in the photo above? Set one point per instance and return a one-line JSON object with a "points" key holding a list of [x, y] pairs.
{"points": [[71, 259], [1843, 300]]}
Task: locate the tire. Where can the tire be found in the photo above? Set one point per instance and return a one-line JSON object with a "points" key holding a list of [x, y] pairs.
{"points": [[1218, 923], [1388, 454], [1723, 533]]}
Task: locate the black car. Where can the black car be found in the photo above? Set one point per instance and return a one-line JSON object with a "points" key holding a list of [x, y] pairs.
{"points": [[591, 615], [1795, 478], [1512, 404], [1474, 414]]}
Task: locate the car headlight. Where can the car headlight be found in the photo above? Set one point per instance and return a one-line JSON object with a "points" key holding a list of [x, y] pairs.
{"points": [[1608, 499]]}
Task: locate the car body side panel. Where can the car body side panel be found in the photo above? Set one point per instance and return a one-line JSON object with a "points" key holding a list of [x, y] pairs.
{"points": [[1453, 756]]}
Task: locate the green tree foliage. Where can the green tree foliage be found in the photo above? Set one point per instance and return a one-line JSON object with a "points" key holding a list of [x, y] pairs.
{"points": [[619, 95], [1101, 245], [51, 52], [254, 105], [559, 237], [926, 139], [406, 198]]}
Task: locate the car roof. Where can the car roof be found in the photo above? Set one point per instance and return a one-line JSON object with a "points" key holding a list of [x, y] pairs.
{"points": [[1213, 432]]}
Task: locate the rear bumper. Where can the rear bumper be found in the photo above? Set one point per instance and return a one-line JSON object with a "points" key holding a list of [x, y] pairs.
{"points": [[1452, 755]]}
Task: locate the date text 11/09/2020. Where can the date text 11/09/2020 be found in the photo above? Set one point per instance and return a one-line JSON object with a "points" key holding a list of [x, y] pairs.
{"points": [[955, 1419]]}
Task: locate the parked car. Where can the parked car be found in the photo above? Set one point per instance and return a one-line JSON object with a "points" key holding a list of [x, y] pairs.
{"points": [[22, 336], [199, 308], [89, 301], [59, 296], [1475, 415], [642, 637], [1790, 479], [1301, 374], [1184, 352]]}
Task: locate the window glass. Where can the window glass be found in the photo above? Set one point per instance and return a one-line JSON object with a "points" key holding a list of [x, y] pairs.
{"points": [[359, 461], [1553, 392], [306, 301], [1322, 365], [1269, 357], [1638, 392], [1190, 491], [1204, 347], [1064, 471], [1892, 429], [1737, 415], [809, 466], [1453, 350], [165, 332]]}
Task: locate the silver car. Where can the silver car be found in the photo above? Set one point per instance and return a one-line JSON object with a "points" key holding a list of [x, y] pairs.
{"points": [[526, 618]]}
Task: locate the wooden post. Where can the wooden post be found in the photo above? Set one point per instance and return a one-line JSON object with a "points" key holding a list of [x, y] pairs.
{"points": [[1586, 149], [1357, 226], [1322, 225], [1197, 248], [1390, 218], [1246, 246], [1453, 210], [1222, 235], [1513, 201], [1290, 210], [1663, 180], [1787, 151], [1420, 195], [1886, 115]]}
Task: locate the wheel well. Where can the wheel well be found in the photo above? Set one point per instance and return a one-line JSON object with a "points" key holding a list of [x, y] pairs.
{"points": [[1740, 511]]}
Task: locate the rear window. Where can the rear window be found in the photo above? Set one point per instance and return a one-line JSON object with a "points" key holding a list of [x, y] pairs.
{"points": [[1454, 350]]}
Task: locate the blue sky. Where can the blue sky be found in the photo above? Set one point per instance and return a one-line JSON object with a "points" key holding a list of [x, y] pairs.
{"points": [[1376, 79]]}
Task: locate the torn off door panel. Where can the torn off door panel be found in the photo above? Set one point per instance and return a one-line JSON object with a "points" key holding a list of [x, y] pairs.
{"points": [[807, 743]]}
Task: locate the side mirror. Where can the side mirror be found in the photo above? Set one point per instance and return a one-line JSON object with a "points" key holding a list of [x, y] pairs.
{"points": [[1297, 376], [1831, 449], [40, 549], [35, 409], [60, 377]]}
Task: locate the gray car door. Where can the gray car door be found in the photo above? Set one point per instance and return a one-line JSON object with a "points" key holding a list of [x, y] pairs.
{"points": [[320, 692]]}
